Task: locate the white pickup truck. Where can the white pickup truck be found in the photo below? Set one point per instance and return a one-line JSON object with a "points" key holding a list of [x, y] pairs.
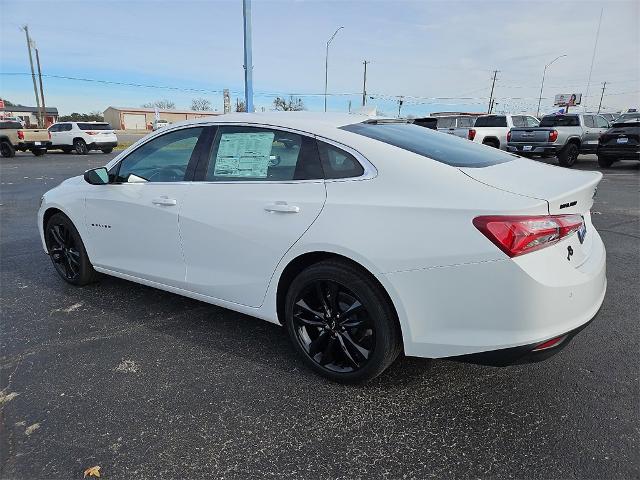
{"points": [[492, 129]]}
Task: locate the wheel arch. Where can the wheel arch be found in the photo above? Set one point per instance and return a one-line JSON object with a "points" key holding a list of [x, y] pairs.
{"points": [[305, 260], [575, 140], [491, 139]]}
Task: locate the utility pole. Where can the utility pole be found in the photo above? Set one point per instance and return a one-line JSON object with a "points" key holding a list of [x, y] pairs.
{"points": [[604, 85], [495, 73], [33, 75], [44, 110], [364, 84], [248, 62]]}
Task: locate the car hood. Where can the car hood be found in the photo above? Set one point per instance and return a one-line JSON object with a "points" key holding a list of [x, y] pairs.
{"points": [[565, 191]]}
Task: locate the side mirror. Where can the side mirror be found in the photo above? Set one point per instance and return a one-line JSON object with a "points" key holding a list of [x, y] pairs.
{"points": [[97, 176]]}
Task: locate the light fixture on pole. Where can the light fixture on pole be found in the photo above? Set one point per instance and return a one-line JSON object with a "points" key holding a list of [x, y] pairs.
{"points": [[542, 85], [326, 66]]}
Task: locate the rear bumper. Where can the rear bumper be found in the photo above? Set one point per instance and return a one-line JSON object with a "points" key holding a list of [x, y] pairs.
{"points": [[529, 149], [509, 305], [620, 153], [32, 145], [100, 145]]}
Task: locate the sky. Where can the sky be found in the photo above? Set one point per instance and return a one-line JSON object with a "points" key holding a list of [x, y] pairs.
{"points": [[436, 55]]}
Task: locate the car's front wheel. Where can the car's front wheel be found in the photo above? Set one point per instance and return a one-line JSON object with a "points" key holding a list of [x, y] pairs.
{"points": [[80, 146], [341, 322], [67, 251]]}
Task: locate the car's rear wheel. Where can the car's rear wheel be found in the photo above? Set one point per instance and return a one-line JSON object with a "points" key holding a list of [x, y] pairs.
{"points": [[7, 150], [568, 155], [341, 322], [107, 150], [67, 251], [80, 146], [605, 161]]}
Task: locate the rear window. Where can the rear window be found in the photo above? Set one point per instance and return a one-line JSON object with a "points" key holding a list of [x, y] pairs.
{"points": [[10, 125], [491, 121], [94, 126], [446, 122], [560, 121], [447, 149]]}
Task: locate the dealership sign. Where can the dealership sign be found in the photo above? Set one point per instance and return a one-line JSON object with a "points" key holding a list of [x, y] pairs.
{"points": [[567, 99]]}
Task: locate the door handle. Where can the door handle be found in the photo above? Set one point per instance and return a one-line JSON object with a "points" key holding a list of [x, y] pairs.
{"points": [[282, 207], [165, 201]]}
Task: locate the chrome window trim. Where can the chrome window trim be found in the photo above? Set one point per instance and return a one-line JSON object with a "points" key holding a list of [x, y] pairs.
{"points": [[369, 173]]}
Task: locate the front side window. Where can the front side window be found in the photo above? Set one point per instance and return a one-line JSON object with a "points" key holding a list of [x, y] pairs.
{"points": [[262, 154], [601, 122], [163, 159], [588, 121]]}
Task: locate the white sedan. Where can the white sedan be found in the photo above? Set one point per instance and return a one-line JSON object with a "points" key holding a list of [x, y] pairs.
{"points": [[364, 237]]}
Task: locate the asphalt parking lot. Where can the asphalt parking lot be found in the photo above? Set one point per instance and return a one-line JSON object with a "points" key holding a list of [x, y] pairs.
{"points": [[148, 384]]}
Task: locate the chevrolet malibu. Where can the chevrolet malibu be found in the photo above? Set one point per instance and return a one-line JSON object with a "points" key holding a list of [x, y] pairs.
{"points": [[366, 238]]}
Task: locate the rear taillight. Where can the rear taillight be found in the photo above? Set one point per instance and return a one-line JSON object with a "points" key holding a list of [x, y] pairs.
{"points": [[472, 134], [553, 135], [517, 235], [20, 135], [509, 136], [91, 132], [49, 135], [554, 342]]}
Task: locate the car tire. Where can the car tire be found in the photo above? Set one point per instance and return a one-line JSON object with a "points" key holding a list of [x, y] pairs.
{"points": [[38, 152], [7, 150], [348, 349], [80, 146], [568, 155], [605, 161], [67, 252], [107, 150]]}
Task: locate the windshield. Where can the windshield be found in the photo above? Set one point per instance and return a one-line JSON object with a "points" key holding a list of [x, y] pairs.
{"points": [[560, 121], [491, 121], [94, 126], [447, 149]]}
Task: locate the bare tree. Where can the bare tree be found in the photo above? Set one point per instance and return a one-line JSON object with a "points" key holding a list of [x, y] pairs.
{"points": [[160, 104], [240, 106], [293, 104], [200, 104]]}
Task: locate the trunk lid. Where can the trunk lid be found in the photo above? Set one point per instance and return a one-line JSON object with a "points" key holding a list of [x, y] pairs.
{"points": [[566, 191], [530, 135]]}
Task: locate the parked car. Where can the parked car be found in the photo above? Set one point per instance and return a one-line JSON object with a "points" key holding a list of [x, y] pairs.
{"points": [[159, 124], [457, 125], [14, 137], [565, 136], [492, 129], [625, 117], [620, 142], [368, 238], [83, 137]]}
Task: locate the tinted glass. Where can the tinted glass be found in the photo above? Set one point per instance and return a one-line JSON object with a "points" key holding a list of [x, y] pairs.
{"points": [[261, 154], [491, 121], [519, 121], [66, 127], [465, 122], [601, 122], [163, 159], [531, 121], [447, 149], [588, 121], [10, 125], [446, 122], [337, 163], [94, 126], [560, 121], [54, 128]]}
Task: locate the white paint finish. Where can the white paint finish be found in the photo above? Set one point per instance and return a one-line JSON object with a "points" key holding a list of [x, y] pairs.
{"points": [[233, 244], [409, 225], [143, 239]]}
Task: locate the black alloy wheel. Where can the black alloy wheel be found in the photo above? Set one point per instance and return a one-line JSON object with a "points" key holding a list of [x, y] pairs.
{"points": [[341, 322], [80, 146], [568, 155], [67, 251], [7, 150]]}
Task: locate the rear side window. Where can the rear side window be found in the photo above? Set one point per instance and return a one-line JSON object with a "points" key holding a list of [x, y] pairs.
{"points": [[94, 126], [560, 121], [447, 149], [491, 121], [337, 163], [262, 154]]}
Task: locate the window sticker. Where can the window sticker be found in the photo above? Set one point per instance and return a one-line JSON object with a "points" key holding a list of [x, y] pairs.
{"points": [[244, 154]]}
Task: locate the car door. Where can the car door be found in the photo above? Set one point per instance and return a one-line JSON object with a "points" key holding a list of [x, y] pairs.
{"points": [[602, 124], [133, 220], [591, 134], [260, 190], [56, 132]]}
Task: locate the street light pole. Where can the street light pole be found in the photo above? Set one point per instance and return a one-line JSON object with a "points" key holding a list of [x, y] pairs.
{"points": [[542, 84], [248, 61], [326, 66]]}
